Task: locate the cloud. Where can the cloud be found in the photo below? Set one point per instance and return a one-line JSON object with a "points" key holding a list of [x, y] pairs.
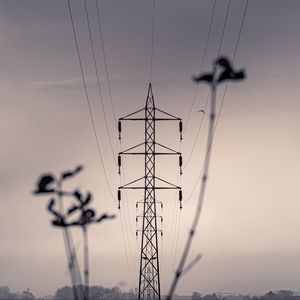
{"points": [[75, 84], [63, 85]]}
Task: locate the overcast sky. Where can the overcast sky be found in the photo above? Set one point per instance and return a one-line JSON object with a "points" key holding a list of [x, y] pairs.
{"points": [[249, 228]]}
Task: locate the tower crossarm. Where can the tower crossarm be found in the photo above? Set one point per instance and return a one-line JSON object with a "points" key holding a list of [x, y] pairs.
{"points": [[158, 149], [129, 152], [130, 186], [135, 116]]}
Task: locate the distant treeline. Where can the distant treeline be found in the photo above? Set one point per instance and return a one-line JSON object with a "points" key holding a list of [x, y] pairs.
{"points": [[278, 295], [66, 293], [96, 292], [99, 292], [5, 293]]}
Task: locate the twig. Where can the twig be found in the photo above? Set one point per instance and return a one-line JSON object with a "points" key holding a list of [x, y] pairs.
{"points": [[86, 263], [73, 265], [227, 72], [179, 271]]}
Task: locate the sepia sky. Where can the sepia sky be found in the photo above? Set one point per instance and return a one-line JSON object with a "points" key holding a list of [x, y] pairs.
{"points": [[249, 228]]}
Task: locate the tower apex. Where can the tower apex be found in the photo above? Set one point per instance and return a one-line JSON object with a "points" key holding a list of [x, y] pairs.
{"points": [[150, 99]]}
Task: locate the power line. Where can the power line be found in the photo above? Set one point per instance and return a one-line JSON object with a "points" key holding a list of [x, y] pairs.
{"points": [[115, 119], [88, 100], [98, 80], [114, 114], [111, 100], [124, 244], [125, 223], [207, 98], [224, 95], [176, 213], [161, 256], [224, 26], [94, 129], [176, 238], [240, 31], [174, 227], [130, 227], [202, 61], [152, 40], [105, 62], [126, 211], [177, 235]]}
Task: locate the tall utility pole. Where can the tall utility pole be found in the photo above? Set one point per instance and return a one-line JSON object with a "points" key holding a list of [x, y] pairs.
{"points": [[149, 277]]}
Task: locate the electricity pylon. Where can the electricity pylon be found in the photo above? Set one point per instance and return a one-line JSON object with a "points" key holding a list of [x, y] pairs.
{"points": [[149, 277]]}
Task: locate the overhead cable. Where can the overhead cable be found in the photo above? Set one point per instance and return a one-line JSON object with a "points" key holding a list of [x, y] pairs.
{"points": [[115, 119], [223, 98], [88, 100], [152, 40], [98, 80], [105, 62], [207, 98], [202, 62]]}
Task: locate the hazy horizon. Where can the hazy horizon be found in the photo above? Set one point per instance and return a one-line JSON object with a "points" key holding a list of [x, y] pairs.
{"points": [[248, 232]]}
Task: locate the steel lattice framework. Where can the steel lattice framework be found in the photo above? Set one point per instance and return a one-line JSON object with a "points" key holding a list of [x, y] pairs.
{"points": [[149, 277]]}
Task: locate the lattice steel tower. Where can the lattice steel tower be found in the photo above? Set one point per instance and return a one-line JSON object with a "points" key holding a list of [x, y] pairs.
{"points": [[149, 277]]}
